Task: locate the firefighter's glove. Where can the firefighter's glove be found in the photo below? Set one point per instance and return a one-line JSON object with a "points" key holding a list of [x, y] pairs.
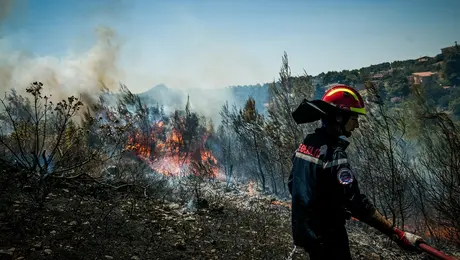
{"points": [[406, 240]]}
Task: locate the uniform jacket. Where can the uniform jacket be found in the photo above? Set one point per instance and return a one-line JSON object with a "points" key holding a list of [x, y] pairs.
{"points": [[324, 189]]}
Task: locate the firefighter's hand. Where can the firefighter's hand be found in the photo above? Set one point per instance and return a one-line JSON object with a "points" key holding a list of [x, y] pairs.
{"points": [[406, 240]]}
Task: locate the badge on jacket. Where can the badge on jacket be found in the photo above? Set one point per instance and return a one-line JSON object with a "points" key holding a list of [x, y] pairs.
{"points": [[345, 176]]}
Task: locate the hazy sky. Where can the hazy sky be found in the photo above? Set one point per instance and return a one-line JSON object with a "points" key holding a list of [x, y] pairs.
{"points": [[219, 43]]}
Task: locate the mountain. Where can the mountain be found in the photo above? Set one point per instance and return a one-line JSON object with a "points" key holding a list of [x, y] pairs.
{"points": [[161, 94], [206, 101]]}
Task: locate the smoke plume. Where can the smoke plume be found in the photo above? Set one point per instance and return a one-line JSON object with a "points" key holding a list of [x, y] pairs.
{"points": [[188, 57], [85, 73]]}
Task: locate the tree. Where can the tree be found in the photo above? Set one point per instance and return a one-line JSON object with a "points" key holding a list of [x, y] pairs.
{"points": [[44, 140], [398, 85], [283, 133], [451, 66], [228, 143], [248, 125], [380, 154], [439, 158]]}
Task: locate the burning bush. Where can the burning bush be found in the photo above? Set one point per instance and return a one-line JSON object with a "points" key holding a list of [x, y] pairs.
{"points": [[175, 147]]}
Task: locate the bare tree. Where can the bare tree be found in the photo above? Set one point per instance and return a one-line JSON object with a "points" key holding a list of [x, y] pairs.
{"points": [[43, 139], [381, 158], [283, 134], [439, 157], [228, 143]]}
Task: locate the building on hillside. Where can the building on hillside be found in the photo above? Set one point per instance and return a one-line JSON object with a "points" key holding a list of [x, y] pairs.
{"points": [[423, 59], [378, 76], [447, 51], [422, 78]]}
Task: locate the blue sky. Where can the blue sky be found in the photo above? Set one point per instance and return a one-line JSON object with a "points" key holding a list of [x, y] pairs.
{"points": [[219, 43]]}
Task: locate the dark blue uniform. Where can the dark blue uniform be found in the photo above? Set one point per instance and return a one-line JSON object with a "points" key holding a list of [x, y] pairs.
{"points": [[324, 193]]}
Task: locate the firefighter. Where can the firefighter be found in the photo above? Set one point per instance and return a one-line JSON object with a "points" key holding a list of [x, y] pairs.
{"points": [[322, 184]]}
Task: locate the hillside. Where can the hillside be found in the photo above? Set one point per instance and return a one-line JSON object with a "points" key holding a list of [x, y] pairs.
{"points": [[393, 78]]}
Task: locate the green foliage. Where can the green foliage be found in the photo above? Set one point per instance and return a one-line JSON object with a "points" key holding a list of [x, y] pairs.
{"points": [[346, 77], [451, 66]]}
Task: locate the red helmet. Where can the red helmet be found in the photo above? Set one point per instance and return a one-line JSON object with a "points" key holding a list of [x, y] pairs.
{"points": [[339, 96], [346, 98]]}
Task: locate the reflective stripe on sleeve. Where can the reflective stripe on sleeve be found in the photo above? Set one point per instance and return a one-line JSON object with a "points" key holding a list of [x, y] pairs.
{"points": [[308, 158], [336, 163]]}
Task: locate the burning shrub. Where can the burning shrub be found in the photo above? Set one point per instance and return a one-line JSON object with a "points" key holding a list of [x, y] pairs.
{"points": [[173, 146]]}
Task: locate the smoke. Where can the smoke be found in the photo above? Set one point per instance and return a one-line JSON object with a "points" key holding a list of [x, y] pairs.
{"points": [[80, 73], [204, 62], [83, 74], [196, 58], [200, 56]]}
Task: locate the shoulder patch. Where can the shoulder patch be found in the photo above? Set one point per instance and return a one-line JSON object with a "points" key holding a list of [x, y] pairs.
{"points": [[309, 150], [345, 176]]}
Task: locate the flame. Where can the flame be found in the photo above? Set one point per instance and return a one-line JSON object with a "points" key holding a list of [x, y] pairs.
{"points": [[168, 155], [445, 233], [250, 188], [285, 204]]}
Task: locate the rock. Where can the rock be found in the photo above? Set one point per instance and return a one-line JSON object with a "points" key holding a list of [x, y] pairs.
{"points": [[373, 256], [168, 217], [38, 245], [73, 223], [5, 253], [108, 257], [172, 206], [48, 251], [135, 258], [180, 245], [20, 258], [190, 218]]}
